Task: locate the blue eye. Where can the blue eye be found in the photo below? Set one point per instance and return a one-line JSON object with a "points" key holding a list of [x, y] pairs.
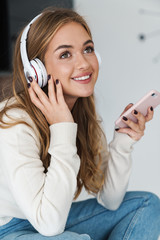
{"points": [[65, 55], [89, 49]]}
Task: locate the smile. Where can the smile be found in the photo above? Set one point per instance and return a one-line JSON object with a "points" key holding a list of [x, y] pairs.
{"points": [[83, 78]]}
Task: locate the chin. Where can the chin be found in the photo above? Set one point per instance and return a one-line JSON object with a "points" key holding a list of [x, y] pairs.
{"points": [[87, 94]]}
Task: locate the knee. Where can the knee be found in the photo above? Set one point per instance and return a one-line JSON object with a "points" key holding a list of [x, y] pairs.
{"points": [[85, 237], [75, 236], [146, 199], [153, 200], [151, 197]]}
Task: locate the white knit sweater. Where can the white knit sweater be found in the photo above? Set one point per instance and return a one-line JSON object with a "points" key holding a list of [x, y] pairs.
{"points": [[45, 199]]}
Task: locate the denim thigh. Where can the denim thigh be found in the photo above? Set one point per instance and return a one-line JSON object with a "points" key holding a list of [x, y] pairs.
{"points": [[138, 218]]}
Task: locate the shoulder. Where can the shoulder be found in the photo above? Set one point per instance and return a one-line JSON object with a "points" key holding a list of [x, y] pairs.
{"points": [[18, 119], [14, 113]]}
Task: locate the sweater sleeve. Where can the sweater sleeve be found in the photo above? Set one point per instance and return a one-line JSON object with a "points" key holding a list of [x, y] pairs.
{"points": [[116, 165], [44, 199]]}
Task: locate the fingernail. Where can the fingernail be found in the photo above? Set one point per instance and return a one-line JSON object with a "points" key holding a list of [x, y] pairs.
{"points": [[116, 129], [135, 112], [151, 108], [124, 118], [28, 85], [30, 79], [57, 81], [49, 76]]}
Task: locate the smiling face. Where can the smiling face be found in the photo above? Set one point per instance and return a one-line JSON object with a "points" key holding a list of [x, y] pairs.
{"points": [[70, 57]]}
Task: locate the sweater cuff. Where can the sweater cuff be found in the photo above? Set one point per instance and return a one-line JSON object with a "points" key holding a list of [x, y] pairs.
{"points": [[122, 142], [62, 133]]}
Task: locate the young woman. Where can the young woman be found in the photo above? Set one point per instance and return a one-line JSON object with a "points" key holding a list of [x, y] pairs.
{"points": [[52, 147]]}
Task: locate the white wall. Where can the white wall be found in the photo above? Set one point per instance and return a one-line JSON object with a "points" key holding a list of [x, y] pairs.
{"points": [[128, 71]]}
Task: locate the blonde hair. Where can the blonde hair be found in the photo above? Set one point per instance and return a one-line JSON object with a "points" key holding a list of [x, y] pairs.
{"points": [[89, 132]]}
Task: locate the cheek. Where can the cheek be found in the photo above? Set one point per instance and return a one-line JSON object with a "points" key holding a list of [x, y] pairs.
{"points": [[95, 66], [61, 71]]}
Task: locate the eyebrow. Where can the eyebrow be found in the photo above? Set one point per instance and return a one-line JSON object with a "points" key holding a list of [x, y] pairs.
{"points": [[70, 46]]}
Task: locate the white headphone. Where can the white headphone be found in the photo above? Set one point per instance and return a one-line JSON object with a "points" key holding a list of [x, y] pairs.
{"points": [[35, 68]]}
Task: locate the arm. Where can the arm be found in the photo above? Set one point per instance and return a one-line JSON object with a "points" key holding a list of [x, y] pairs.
{"points": [[117, 161], [44, 199], [117, 164]]}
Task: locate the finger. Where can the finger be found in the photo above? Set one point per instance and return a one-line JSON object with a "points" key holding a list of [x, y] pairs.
{"points": [[39, 92], [134, 126], [150, 114], [60, 97], [134, 135], [141, 119], [126, 108], [35, 100], [51, 90]]}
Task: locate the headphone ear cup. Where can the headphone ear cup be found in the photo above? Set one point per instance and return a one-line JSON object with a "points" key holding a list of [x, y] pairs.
{"points": [[40, 72]]}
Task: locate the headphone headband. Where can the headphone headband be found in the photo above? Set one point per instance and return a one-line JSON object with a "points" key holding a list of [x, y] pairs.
{"points": [[34, 68]]}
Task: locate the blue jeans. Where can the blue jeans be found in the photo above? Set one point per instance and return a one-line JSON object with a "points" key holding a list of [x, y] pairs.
{"points": [[138, 218]]}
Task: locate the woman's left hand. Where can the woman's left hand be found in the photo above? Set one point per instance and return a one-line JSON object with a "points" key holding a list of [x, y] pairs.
{"points": [[136, 130]]}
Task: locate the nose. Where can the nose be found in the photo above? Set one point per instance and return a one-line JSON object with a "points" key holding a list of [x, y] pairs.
{"points": [[82, 62]]}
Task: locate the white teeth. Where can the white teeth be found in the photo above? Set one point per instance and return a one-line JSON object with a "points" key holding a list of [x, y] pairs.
{"points": [[82, 78]]}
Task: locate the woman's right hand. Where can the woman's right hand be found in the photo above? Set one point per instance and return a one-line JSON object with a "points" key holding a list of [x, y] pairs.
{"points": [[53, 106]]}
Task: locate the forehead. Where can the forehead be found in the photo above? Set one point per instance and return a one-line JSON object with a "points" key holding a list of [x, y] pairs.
{"points": [[70, 33]]}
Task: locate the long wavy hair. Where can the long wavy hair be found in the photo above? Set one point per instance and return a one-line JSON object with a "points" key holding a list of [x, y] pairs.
{"points": [[89, 131]]}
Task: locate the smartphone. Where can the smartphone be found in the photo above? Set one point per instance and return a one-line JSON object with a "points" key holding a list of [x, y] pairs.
{"points": [[152, 98]]}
